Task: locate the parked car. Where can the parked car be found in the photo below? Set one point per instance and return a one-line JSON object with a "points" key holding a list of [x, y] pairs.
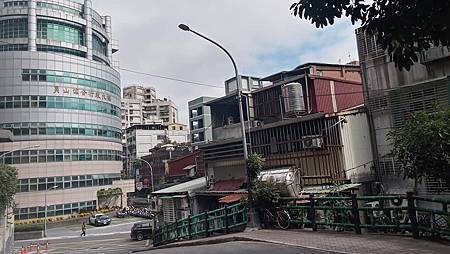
{"points": [[99, 219], [141, 231], [121, 213]]}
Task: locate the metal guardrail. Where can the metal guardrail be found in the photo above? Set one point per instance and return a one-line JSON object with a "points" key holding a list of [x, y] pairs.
{"points": [[407, 214], [209, 223]]}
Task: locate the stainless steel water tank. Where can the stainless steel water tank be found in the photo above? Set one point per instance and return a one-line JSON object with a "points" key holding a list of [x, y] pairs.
{"points": [[293, 100], [288, 178]]}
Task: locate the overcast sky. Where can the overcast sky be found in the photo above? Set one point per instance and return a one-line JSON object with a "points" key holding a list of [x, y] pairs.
{"points": [[262, 35]]}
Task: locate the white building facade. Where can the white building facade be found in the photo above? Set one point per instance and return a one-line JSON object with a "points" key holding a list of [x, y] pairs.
{"points": [[60, 94]]}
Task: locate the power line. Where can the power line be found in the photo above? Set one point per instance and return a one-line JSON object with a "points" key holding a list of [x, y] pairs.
{"points": [[170, 78], [187, 81], [142, 73]]}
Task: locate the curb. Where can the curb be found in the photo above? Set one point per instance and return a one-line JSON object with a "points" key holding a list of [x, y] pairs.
{"points": [[235, 239]]}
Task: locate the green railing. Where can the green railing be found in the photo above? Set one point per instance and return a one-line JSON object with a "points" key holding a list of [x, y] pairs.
{"points": [[406, 214], [221, 221]]}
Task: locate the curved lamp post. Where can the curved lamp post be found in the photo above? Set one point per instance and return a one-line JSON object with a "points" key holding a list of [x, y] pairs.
{"points": [[238, 83], [2, 156], [253, 218], [45, 204], [148, 164]]}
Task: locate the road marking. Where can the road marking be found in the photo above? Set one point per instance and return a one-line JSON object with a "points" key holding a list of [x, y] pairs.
{"points": [[73, 236]]}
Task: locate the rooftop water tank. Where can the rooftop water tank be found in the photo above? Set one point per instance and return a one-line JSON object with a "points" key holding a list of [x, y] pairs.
{"points": [[294, 103]]}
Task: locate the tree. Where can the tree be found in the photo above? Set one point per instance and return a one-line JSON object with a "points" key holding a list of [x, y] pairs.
{"points": [[255, 164], [266, 194], [402, 27], [422, 146], [8, 186]]}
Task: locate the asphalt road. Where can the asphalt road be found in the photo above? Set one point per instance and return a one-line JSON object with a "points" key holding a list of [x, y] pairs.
{"points": [[122, 225], [114, 238], [121, 244], [237, 247], [112, 244]]}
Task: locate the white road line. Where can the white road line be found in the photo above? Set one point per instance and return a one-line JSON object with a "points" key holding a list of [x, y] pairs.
{"points": [[73, 236]]}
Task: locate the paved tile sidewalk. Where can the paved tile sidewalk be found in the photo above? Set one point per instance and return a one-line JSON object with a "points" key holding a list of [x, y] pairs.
{"points": [[334, 242], [347, 242]]}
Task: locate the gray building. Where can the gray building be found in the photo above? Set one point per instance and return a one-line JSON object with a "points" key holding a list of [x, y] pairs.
{"points": [[152, 108], [59, 93], [139, 92], [248, 84], [392, 95], [200, 120]]}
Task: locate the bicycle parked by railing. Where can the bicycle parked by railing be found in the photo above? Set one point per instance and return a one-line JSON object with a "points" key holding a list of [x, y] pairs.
{"points": [[276, 217]]}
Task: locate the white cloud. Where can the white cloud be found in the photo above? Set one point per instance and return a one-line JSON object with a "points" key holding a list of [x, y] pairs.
{"points": [[262, 35]]}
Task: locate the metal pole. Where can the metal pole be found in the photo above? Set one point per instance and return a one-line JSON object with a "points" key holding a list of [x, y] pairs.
{"points": [[239, 89], [15, 150], [45, 219], [253, 218], [148, 164], [151, 171], [45, 209]]}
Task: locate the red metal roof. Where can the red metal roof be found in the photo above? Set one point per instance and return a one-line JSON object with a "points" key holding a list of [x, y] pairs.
{"points": [[232, 198], [228, 185]]}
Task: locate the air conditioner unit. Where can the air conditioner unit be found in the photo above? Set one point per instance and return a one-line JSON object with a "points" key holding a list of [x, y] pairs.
{"points": [[210, 181], [258, 123], [312, 142], [156, 204], [230, 120]]}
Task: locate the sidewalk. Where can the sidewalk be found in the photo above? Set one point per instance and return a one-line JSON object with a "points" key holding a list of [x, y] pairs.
{"points": [[333, 242]]}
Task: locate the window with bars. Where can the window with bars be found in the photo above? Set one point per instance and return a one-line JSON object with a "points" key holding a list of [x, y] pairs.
{"points": [[59, 102], [69, 78], [14, 28], [14, 47], [59, 8], [49, 155], [65, 182], [58, 31], [26, 128], [98, 45], [15, 4]]}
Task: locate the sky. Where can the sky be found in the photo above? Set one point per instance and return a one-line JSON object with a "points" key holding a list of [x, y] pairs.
{"points": [[262, 35]]}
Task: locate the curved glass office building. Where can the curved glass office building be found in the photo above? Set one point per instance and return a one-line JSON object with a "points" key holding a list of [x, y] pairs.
{"points": [[60, 97]]}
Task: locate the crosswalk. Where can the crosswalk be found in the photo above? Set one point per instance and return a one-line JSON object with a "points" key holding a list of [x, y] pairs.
{"points": [[95, 246]]}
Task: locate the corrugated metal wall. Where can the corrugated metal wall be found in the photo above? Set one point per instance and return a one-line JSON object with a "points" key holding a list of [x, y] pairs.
{"points": [[348, 95], [322, 92]]}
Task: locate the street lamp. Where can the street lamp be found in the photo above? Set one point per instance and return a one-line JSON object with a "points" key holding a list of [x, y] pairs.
{"points": [[186, 28], [15, 150], [45, 204], [238, 83], [148, 164]]}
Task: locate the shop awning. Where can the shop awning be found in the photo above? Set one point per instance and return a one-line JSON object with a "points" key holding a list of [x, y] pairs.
{"points": [[232, 198], [228, 185], [189, 167]]}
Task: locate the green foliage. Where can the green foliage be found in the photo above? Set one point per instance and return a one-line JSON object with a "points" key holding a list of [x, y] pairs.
{"points": [[255, 164], [422, 145], [266, 194], [403, 27], [8, 186], [109, 193]]}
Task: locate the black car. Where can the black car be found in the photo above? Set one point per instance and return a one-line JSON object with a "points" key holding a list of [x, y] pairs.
{"points": [[141, 231]]}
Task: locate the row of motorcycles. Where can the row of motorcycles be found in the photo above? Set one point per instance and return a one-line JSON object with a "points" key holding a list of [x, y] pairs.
{"points": [[142, 212]]}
